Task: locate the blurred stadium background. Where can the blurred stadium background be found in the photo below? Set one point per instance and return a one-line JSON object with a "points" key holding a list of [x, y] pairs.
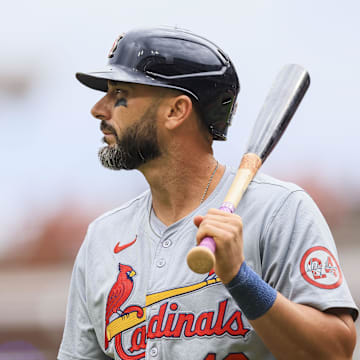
{"points": [[52, 185]]}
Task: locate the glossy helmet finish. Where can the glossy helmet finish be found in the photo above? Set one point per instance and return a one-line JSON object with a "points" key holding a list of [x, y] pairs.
{"points": [[177, 59]]}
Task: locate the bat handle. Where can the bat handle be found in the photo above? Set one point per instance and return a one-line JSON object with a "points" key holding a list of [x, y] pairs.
{"points": [[201, 259]]}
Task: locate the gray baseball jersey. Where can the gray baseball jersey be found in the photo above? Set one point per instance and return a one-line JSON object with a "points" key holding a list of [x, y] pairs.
{"points": [[132, 295]]}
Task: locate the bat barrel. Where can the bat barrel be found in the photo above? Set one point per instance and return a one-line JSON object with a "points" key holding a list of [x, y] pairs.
{"points": [[283, 99]]}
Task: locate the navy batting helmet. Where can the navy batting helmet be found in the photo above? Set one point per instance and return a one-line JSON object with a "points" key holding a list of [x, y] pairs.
{"points": [[177, 59]]}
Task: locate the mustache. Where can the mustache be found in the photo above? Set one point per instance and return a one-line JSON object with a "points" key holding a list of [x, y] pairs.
{"points": [[107, 127]]}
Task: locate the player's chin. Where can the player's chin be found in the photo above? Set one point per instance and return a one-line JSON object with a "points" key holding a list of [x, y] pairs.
{"points": [[109, 139]]}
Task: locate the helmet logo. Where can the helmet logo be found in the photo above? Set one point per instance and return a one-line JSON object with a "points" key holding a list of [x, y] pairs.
{"points": [[115, 45]]}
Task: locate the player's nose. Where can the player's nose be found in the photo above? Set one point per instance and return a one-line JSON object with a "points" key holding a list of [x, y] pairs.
{"points": [[102, 109]]}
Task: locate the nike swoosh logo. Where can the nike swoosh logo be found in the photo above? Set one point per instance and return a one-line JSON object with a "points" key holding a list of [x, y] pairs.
{"points": [[119, 248]]}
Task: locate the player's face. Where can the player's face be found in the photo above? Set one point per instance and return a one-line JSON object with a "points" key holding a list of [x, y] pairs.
{"points": [[128, 115]]}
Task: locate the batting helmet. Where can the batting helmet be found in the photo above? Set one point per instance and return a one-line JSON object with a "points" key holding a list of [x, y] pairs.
{"points": [[176, 59]]}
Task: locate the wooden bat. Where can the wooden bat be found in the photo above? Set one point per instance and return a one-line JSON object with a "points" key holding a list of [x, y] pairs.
{"points": [[280, 105]]}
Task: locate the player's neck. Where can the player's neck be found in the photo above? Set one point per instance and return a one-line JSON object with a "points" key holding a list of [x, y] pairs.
{"points": [[178, 186]]}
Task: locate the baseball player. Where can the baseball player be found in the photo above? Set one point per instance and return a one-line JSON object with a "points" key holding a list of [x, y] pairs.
{"points": [[277, 290]]}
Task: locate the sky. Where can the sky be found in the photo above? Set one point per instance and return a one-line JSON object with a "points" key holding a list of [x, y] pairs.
{"points": [[49, 141]]}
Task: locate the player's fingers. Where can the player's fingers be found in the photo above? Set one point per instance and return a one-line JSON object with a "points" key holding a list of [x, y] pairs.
{"points": [[230, 224], [197, 220], [222, 233], [210, 230], [224, 218]]}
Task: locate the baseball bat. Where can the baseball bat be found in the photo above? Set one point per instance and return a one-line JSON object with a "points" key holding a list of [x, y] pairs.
{"points": [[285, 95]]}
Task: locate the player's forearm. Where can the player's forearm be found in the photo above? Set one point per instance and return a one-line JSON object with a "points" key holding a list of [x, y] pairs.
{"points": [[293, 331], [289, 330]]}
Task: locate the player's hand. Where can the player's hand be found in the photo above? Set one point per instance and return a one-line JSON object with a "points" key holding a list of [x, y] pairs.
{"points": [[226, 230]]}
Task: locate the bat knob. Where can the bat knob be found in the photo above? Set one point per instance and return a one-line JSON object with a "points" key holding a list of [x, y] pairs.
{"points": [[201, 259]]}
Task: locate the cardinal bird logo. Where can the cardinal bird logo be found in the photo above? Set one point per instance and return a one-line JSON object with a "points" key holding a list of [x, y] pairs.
{"points": [[118, 295]]}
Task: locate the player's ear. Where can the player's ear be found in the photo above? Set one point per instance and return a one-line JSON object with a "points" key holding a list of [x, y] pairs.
{"points": [[177, 111]]}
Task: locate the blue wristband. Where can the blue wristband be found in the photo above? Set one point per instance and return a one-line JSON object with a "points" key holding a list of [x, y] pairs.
{"points": [[253, 295]]}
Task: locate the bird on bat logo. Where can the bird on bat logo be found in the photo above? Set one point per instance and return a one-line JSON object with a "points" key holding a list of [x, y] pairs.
{"points": [[118, 295]]}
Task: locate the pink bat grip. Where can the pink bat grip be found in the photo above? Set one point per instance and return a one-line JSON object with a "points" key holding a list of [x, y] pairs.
{"points": [[208, 241]]}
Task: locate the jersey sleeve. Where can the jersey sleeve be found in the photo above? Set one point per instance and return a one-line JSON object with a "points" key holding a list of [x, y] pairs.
{"points": [[79, 340], [299, 257]]}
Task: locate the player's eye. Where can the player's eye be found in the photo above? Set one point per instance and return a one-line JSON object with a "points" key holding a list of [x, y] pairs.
{"points": [[122, 92]]}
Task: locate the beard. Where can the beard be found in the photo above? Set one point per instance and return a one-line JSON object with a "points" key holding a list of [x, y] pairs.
{"points": [[136, 146]]}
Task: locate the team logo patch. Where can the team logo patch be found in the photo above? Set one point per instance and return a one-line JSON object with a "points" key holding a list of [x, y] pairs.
{"points": [[115, 45], [319, 267]]}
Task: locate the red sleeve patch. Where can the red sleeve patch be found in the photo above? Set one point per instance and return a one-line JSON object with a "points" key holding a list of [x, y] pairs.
{"points": [[320, 268]]}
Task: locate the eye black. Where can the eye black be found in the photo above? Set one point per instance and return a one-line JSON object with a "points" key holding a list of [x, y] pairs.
{"points": [[121, 102]]}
